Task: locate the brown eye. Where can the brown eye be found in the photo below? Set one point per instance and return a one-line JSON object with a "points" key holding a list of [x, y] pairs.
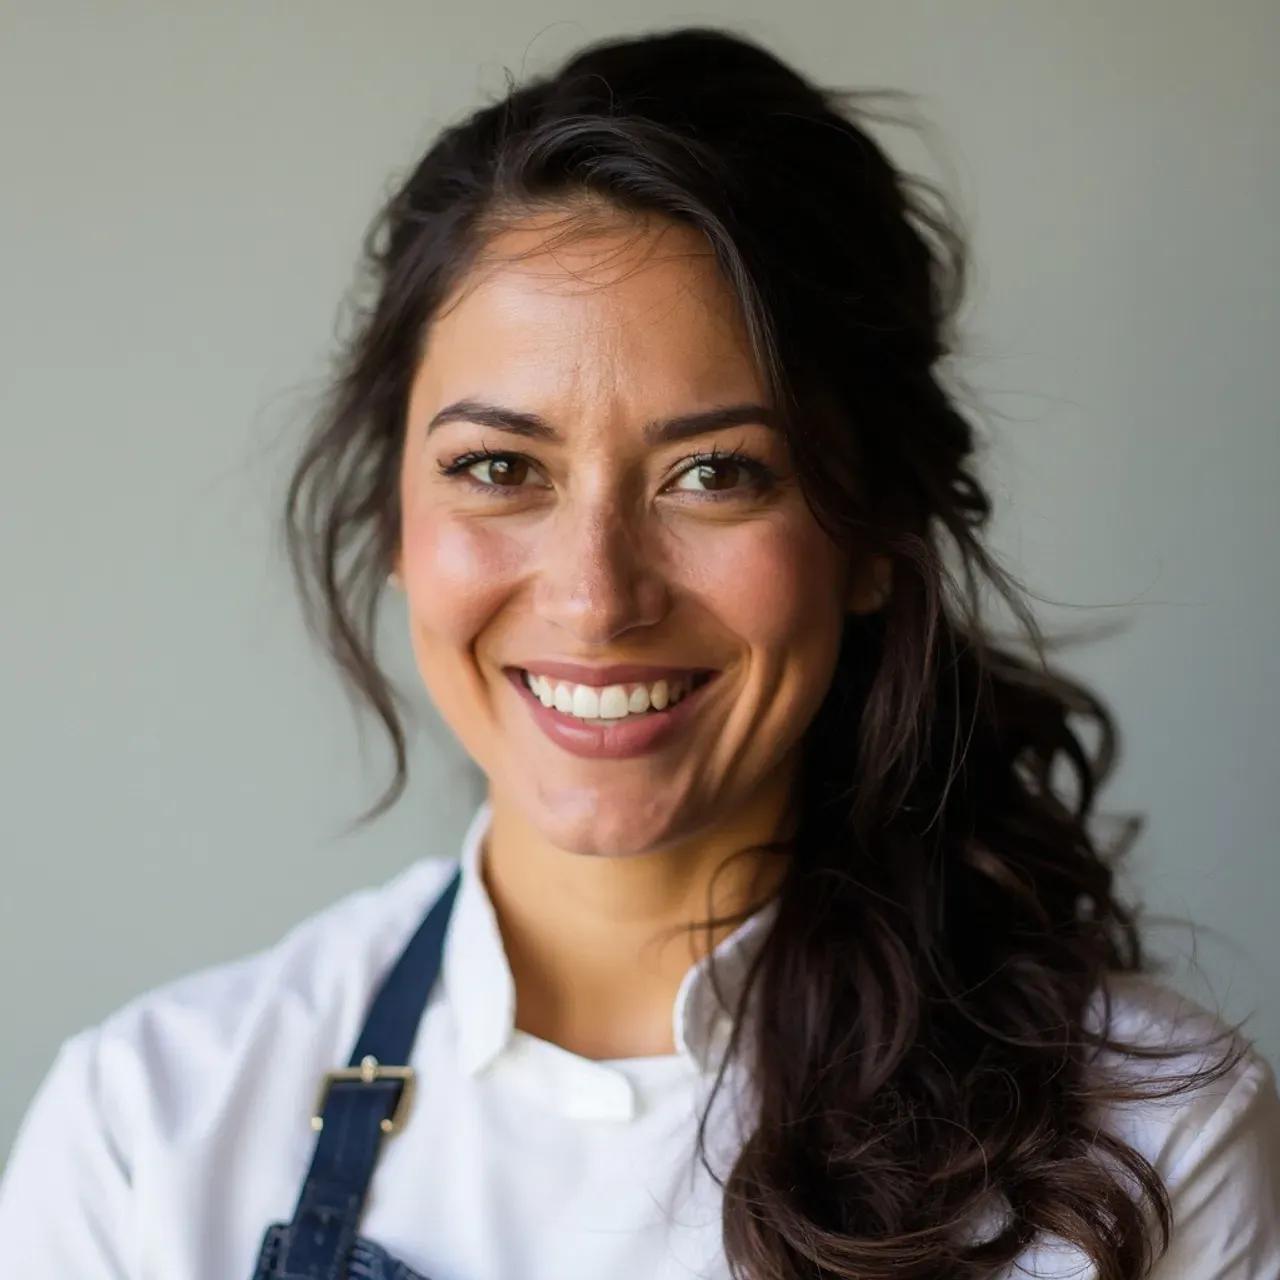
{"points": [[726, 476], [504, 472], [709, 477], [487, 469], [712, 475]]}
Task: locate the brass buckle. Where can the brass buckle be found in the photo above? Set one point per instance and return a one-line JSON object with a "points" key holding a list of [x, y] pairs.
{"points": [[369, 1070]]}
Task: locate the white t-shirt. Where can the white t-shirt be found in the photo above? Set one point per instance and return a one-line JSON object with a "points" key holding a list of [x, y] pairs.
{"points": [[164, 1140]]}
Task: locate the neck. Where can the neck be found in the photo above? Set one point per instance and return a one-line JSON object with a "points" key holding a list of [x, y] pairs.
{"points": [[598, 946]]}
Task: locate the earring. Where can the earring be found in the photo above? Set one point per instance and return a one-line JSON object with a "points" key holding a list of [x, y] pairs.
{"points": [[394, 578]]}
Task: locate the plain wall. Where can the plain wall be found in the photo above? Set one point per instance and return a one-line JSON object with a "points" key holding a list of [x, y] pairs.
{"points": [[185, 186]]}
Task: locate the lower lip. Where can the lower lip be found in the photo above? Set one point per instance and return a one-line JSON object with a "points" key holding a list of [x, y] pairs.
{"points": [[630, 736]]}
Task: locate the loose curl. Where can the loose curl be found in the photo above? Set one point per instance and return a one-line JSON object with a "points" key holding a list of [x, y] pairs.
{"points": [[925, 1047]]}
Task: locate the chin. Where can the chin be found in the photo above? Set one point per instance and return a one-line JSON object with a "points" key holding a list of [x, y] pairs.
{"points": [[591, 822]]}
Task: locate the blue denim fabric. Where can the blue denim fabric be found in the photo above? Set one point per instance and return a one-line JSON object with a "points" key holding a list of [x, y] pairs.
{"points": [[320, 1241], [367, 1260]]}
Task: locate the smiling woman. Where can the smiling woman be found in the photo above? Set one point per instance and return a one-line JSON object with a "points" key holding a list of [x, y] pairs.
{"points": [[780, 946], [605, 504]]}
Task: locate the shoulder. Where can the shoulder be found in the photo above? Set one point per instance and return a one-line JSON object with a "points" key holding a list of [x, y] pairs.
{"points": [[146, 1098], [1203, 1109], [1198, 1103], [179, 1048], [1176, 1053]]}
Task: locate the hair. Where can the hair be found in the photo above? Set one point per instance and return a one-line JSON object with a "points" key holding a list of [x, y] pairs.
{"points": [[947, 917]]}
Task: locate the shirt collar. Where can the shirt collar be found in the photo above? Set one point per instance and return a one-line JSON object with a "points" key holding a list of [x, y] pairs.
{"points": [[481, 992]]}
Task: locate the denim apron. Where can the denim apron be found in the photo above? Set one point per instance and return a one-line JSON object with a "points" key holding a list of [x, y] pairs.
{"points": [[357, 1106]]}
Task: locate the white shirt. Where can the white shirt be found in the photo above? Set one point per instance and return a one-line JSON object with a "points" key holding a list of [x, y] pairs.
{"points": [[164, 1140]]}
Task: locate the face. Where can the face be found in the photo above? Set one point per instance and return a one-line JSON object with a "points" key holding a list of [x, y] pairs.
{"points": [[598, 515]]}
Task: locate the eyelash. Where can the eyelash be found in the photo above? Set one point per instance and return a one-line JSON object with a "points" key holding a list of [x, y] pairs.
{"points": [[762, 476]]}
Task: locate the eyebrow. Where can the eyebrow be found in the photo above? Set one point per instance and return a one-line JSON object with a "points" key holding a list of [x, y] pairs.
{"points": [[656, 431]]}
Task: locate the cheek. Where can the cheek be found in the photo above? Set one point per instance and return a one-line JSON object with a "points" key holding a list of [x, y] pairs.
{"points": [[773, 583], [457, 574]]}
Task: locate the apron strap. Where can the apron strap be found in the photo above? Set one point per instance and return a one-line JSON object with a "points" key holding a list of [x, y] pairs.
{"points": [[361, 1103]]}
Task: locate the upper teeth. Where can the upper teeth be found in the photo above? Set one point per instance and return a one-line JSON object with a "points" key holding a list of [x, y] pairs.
{"points": [[612, 702]]}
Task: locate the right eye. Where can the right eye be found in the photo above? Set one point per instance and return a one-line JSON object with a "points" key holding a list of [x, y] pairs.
{"points": [[490, 469]]}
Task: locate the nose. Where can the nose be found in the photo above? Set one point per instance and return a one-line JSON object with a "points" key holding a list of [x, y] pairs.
{"points": [[599, 575]]}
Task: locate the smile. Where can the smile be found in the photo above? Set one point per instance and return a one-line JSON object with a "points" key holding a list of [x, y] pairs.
{"points": [[595, 704], [612, 721]]}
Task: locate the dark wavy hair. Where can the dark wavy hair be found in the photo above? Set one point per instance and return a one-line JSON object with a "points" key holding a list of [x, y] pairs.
{"points": [[946, 917]]}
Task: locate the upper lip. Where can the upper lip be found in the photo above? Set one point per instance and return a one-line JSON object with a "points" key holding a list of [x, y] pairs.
{"points": [[618, 673]]}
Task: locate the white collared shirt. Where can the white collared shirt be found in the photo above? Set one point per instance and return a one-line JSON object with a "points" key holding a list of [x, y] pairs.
{"points": [[164, 1140]]}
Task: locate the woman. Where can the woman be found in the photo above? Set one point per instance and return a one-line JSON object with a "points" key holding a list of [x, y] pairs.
{"points": [[779, 947]]}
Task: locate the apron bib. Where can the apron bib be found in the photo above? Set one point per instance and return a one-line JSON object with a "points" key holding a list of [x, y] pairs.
{"points": [[358, 1106]]}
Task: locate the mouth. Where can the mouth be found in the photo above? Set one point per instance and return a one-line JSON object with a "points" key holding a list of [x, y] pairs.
{"points": [[625, 718], [595, 703]]}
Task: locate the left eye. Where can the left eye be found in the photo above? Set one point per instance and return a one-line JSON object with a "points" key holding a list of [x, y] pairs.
{"points": [[727, 474], [712, 476]]}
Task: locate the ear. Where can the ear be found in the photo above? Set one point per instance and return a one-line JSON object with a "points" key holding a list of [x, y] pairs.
{"points": [[870, 585]]}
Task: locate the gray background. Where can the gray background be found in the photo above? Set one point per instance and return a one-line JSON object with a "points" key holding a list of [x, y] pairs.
{"points": [[184, 189]]}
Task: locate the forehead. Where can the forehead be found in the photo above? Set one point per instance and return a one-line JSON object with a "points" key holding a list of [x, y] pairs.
{"points": [[633, 312]]}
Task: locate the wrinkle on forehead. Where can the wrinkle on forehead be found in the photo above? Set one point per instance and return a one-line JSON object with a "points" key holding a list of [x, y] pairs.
{"points": [[585, 246], [633, 313]]}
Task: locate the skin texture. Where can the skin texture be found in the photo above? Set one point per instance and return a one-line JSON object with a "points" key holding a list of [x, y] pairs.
{"points": [[600, 548]]}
